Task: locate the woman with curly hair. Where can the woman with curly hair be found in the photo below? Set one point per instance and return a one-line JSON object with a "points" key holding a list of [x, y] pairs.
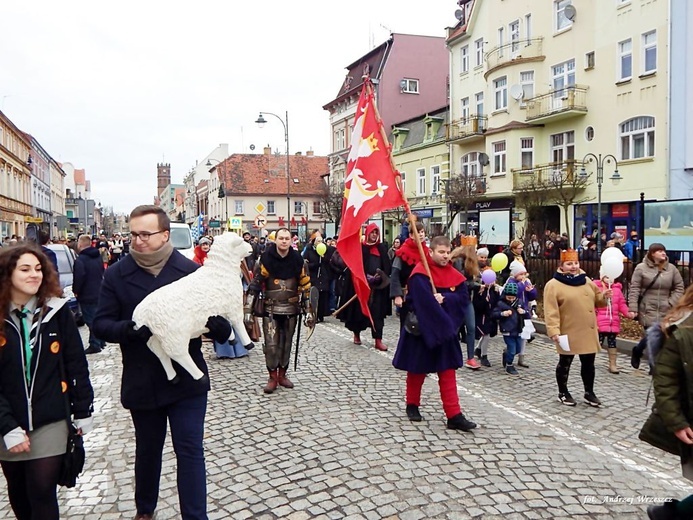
{"points": [[38, 338]]}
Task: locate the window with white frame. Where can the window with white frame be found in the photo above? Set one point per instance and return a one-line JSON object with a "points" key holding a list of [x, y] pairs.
{"points": [[499, 158], [435, 180], [649, 52], [561, 20], [298, 207], [464, 59], [527, 152], [403, 177], [465, 109], [479, 52], [411, 86], [500, 87], [637, 138], [563, 76], [625, 60], [528, 27], [470, 164], [340, 141], [238, 207], [500, 41], [479, 99], [527, 84], [270, 208], [514, 29], [563, 147], [317, 207], [421, 181]]}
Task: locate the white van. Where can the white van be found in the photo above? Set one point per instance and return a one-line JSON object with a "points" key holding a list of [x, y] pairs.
{"points": [[181, 239]]}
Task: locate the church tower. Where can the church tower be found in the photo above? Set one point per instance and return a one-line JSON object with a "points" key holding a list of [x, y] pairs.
{"points": [[163, 177]]}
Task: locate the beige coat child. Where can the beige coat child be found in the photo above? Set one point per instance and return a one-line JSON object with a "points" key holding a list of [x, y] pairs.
{"points": [[569, 310]]}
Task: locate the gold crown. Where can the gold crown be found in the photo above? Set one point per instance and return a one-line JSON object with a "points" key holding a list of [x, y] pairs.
{"points": [[569, 255], [468, 241]]}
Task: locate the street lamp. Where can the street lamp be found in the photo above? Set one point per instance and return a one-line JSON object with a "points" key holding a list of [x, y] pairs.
{"points": [[616, 177], [285, 123]]}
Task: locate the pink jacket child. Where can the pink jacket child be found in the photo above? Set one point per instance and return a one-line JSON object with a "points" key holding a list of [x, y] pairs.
{"points": [[609, 317]]}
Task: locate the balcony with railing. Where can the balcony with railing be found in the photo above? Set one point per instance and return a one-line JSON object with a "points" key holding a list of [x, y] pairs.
{"points": [[467, 129], [546, 176], [558, 104], [514, 52], [15, 206]]}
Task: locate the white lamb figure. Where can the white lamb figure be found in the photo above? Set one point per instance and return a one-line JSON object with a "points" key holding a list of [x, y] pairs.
{"points": [[178, 312]]}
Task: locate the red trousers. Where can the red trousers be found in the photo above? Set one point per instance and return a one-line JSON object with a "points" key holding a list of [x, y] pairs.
{"points": [[448, 391]]}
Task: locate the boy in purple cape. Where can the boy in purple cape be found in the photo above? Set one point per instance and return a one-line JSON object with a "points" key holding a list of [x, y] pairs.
{"points": [[433, 345]]}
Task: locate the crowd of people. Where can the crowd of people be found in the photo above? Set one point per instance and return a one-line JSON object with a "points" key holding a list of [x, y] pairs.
{"points": [[444, 295]]}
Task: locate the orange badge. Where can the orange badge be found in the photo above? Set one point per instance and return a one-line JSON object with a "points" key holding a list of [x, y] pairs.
{"points": [[2, 341], [63, 384], [55, 347]]}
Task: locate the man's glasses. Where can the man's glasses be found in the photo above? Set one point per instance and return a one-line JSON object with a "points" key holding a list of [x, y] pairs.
{"points": [[144, 235]]}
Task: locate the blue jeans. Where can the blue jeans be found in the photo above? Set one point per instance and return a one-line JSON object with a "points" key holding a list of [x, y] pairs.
{"points": [[88, 313], [512, 347], [186, 419], [470, 329]]}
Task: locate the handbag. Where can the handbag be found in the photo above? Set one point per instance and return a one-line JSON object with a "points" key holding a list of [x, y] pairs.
{"points": [[73, 460], [253, 329], [656, 434], [411, 324]]}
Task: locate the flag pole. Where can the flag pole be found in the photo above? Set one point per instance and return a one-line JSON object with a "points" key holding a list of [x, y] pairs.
{"points": [[410, 216]]}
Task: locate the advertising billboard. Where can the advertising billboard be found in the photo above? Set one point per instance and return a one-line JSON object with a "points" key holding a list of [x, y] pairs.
{"points": [[494, 227], [670, 223]]}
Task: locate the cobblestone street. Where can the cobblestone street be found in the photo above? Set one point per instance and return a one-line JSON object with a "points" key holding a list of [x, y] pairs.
{"points": [[340, 446]]}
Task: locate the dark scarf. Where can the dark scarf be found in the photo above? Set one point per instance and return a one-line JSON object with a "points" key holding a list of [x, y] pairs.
{"points": [[282, 267], [569, 279], [409, 252], [443, 277], [372, 247]]}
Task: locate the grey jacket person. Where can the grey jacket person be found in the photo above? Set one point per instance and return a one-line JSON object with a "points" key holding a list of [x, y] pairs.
{"points": [[665, 292]]}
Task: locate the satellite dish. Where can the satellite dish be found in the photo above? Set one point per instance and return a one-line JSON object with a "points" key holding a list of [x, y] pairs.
{"points": [[483, 159], [570, 12], [459, 14], [252, 147], [516, 92]]}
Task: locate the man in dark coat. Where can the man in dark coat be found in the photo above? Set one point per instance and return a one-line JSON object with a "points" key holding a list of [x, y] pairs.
{"points": [[86, 284], [153, 401], [435, 346], [374, 257], [321, 273], [43, 240]]}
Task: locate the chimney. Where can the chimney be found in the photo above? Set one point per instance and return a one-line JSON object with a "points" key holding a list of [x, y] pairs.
{"points": [[309, 153], [299, 153], [267, 150]]}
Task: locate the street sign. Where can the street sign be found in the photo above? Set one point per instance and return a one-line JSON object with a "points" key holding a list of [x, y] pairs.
{"points": [[214, 224], [236, 223], [260, 221], [260, 207], [33, 220]]}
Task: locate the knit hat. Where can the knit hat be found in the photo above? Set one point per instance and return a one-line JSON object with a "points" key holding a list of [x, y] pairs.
{"points": [[510, 288], [517, 268], [205, 240], [482, 252]]}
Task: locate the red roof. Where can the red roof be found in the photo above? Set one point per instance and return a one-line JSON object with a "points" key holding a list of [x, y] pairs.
{"points": [[80, 177], [265, 174]]}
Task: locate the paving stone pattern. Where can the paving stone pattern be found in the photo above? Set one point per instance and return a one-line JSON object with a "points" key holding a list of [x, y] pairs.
{"points": [[339, 444]]}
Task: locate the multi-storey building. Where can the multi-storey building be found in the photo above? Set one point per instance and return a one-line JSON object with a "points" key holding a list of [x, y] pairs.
{"points": [[535, 86], [172, 200], [259, 193], [59, 224], [409, 73], [42, 213], [15, 179], [198, 174]]}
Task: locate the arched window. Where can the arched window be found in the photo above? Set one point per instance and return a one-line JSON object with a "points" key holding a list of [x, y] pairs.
{"points": [[470, 164], [637, 138]]}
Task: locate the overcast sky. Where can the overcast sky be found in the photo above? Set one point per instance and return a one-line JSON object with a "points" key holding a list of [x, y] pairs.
{"points": [[115, 87]]}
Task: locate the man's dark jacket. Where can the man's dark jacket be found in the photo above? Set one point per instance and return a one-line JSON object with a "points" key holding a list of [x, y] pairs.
{"points": [[86, 281], [144, 385]]}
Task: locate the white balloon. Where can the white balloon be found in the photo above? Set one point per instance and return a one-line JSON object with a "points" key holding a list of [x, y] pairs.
{"points": [[613, 268], [612, 252]]}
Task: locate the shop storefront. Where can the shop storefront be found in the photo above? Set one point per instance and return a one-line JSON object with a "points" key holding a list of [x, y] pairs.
{"points": [[620, 217]]}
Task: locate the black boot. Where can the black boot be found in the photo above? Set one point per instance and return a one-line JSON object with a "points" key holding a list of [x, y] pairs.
{"points": [[636, 353], [413, 413], [460, 422], [667, 511]]}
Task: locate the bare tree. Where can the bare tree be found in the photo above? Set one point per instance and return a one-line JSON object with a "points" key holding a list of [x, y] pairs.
{"points": [[556, 183], [461, 192], [331, 200]]}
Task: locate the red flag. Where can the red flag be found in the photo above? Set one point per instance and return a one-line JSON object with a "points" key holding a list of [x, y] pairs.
{"points": [[281, 222], [293, 222], [304, 221], [371, 185]]}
